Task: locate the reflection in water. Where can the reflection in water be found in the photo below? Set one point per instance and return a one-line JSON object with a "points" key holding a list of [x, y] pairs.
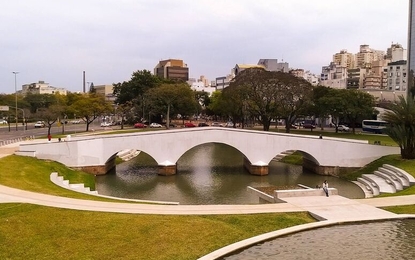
{"points": [[207, 174], [378, 240]]}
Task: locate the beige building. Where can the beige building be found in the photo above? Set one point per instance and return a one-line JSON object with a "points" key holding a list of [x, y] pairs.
{"points": [[172, 69], [334, 76], [41, 87], [366, 56], [344, 59], [396, 52], [105, 90], [241, 67]]}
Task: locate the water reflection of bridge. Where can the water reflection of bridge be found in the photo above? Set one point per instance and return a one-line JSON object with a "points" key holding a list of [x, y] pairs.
{"points": [[96, 154]]}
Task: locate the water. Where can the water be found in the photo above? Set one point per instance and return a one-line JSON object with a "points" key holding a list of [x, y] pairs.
{"points": [[208, 174], [377, 240]]}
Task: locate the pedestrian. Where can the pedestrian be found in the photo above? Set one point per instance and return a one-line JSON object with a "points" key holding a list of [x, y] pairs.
{"points": [[326, 187]]}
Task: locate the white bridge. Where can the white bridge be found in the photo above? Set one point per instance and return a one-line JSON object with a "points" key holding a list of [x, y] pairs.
{"points": [[96, 154]]}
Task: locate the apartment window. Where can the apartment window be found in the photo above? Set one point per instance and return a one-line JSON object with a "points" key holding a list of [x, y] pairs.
{"points": [[404, 74], [391, 74], [398, 68], [397, 87]]}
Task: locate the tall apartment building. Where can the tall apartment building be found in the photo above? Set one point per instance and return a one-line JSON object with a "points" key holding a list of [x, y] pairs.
{"points": [[105, 90], [344, 59], [334, 76], [274, 65], [396, 53], [172, 69], [397, 76], [411, 49], [366, 56]]}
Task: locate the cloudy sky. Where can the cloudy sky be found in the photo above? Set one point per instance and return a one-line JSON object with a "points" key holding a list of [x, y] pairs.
{"points": [[56, 40]]}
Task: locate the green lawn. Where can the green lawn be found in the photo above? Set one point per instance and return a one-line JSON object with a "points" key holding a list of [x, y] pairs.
{"points": [[38, 232]]}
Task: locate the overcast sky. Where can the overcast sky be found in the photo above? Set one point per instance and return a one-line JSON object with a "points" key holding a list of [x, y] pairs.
{"points": [[56, 40]]}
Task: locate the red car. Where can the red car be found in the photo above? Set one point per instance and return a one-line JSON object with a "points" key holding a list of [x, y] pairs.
{"points": [[139, 125], [189, 125]]}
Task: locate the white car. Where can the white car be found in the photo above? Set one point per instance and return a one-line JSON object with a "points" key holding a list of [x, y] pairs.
{"points": [[343, 128], [155, 125], [3, 122], [105, 124], [39, 124]]}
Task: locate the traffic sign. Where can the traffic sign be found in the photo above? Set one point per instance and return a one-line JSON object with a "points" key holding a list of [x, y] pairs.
{"points": [[4, 108]]}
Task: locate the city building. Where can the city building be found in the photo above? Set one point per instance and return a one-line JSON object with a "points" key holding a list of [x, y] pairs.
{"points": [[344, 59], [355, 78], [411, 49], [366, 56], [105, 90], [396, 53], [223, 82], [172, 69], [200, 86], [397, 76], [41, 87], [334, 76], [274, 65], [241, 67]]}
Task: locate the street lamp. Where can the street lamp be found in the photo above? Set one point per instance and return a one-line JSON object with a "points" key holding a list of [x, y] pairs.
{"points": [[15, 93]]}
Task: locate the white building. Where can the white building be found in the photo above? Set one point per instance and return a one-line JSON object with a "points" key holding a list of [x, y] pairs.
{"points": [[42, 87], [200, 86], [334, 76]]}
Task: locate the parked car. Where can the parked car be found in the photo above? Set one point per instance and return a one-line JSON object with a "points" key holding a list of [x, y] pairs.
{"points": [[216, 124], [229, 124], [139, 125], [39, 124], [105, 124], [155, 125], [309, 126], [76, 121], [343, 128], [202, 124], [3, 122], [189, 125]]}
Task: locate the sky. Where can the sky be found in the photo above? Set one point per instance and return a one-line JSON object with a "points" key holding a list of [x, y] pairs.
{"points": [[56, 40]]}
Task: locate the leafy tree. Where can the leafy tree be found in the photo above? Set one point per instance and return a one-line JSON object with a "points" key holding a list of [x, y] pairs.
{"points": [[260, 88], [401, 119], [358, 104], [233, 104], [50, 115], [294, 97], [169, 98], [319, 108], [89, 107]]}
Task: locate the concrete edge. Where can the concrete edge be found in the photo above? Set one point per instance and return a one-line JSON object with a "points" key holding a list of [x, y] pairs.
{"points": [[53, 178], [229, 249]]}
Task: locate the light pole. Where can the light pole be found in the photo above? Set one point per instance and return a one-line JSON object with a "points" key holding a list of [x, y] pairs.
{"points": [[15, 93]]}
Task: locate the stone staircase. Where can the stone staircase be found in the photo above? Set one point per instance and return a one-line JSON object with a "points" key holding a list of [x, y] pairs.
{"points": [[282, 155], [386, 179], [128, 154], [79, 187]]}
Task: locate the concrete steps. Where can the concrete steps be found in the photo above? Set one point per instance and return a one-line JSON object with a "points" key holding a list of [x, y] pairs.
{"points": [[282, 155], [386, 179], [128, 154], [79, 187]]}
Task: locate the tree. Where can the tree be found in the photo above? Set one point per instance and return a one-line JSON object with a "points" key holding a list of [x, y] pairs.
{"points": [[260, 93], [294, 97], [50, 115], [90, 106], [358, 104], [169, 98], [401, 119]]}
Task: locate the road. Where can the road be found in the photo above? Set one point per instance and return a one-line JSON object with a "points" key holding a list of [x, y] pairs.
{"points": [[7, 133]]}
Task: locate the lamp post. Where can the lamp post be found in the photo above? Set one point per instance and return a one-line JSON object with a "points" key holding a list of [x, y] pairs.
{"points": [[15, 93]]}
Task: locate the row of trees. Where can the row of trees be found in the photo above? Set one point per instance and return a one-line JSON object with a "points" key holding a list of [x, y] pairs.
{"points": [[56, 108], [267, 96]]}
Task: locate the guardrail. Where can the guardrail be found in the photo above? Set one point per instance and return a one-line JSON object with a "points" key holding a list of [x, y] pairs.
{"points": [[15, 140]]}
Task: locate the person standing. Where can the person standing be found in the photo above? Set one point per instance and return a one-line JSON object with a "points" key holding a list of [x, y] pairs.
{"points": [[326, 187]]}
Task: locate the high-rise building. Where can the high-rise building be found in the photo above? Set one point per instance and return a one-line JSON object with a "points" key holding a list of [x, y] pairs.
{"points": [[344, 59], [274, 65], [366, 56], [172, 69], [411, 48], [396, 53]]}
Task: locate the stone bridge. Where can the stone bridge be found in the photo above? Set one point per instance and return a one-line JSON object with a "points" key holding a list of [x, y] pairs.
{"points": [[96, 154]]}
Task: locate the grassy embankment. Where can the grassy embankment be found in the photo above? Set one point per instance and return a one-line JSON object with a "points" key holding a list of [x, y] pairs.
{"points": [[30, 231], [38, 232]]}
